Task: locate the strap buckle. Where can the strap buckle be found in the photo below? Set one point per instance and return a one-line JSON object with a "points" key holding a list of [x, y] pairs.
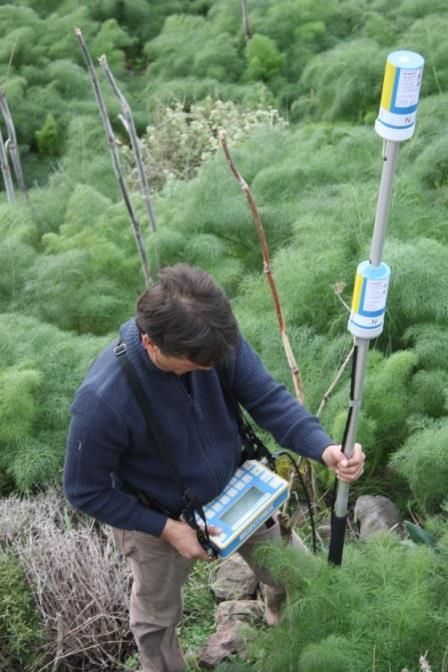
{"points": [[120, 349]]}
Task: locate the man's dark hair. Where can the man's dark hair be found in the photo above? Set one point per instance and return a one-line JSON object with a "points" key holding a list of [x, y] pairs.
{"points": [[187, 315]]}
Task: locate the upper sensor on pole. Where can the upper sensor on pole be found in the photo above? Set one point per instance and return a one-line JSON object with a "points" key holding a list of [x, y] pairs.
{"points": [[401, 90]]}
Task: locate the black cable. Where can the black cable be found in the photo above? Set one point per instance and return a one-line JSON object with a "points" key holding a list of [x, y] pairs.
{"points": [[349, 416], [338, 525], [352, 396], [306, 493]]}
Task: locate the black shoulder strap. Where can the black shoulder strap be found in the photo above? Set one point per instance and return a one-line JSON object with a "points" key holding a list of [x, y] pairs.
{"points": [[121, 354], [190, 502], [253, 446]]}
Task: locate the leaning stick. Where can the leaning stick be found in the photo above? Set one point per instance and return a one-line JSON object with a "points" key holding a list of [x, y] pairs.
{"points": [[128, 123], [6, 172], [267, 270], [327, 394], [13, 147], [112, 142], [276, 298], [337, 288]]}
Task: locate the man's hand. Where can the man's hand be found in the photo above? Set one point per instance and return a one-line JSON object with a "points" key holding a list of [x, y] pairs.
{"points": [[346, 469], [184, 539]]}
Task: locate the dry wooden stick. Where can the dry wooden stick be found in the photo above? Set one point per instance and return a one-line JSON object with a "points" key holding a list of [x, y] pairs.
{"points": [[6, 171], [13, 147], [267, 270], [334, 383], [338, 288], [247, 33], [128, 122], [11, 57], [112, 142], [60, 642], [346, 306]]}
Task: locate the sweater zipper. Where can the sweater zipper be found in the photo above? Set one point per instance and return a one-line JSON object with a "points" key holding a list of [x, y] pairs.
{"points": [[191, 401], [197, 413]]}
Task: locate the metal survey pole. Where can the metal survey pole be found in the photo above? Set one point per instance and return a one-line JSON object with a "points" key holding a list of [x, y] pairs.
{"points": [[395, 123]]}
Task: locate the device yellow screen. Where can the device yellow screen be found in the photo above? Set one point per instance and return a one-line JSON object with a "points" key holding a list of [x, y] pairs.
{"points": [[240, 507]]}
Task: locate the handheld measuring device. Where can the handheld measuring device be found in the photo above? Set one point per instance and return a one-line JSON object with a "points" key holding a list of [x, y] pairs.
{"points": [[249, 499]]}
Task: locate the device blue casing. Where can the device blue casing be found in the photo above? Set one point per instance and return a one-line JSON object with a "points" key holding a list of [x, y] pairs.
{"points": [[229, 512]]}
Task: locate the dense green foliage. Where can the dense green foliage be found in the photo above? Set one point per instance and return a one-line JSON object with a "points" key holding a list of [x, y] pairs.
{"points": [[373, 615], [21, 633], [69, 260], [322, 60], [69, 271], [422, 461], [40, 369]]}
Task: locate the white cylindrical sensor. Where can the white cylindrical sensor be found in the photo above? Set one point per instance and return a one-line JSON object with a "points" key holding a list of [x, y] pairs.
{"points": [[369, 300], [399, 99]]}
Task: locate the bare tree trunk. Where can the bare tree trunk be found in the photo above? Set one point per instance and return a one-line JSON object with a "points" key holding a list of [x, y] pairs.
{"points": [[6, 171], [115, 158], [128, 123], [12, 144], [247, 33]]}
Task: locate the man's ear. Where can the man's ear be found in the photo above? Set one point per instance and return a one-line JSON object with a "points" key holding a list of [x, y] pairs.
{"points": [[149, 345]]}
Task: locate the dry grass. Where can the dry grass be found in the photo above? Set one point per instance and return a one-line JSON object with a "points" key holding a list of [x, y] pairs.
{"points": [[80, 583]]}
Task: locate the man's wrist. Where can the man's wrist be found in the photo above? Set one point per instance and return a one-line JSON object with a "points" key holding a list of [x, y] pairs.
{"points": [[168, 529], [327, 456]]}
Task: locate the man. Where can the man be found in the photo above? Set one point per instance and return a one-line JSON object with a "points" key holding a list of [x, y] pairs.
{"points": [[182, 344]]}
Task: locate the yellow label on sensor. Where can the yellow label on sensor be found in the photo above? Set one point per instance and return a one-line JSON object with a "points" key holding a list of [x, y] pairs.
{"points": [[357, 292], [388, 86]]}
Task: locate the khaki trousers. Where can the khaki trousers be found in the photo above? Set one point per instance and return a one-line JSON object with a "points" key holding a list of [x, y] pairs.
{"points": [[159, 573]]}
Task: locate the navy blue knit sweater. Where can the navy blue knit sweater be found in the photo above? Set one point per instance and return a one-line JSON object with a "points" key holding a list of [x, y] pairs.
{"points": [[109, 441]]}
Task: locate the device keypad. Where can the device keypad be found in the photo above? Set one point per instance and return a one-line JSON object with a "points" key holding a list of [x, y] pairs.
{"points": [[238, 482]]}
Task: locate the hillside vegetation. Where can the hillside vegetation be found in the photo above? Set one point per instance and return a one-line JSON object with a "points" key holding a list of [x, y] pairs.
{"points": [[298, 102]]}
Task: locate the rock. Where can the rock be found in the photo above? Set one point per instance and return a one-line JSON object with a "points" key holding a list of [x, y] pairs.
{"points": [[234, 580], [226, 642], [238, 610], [375, 514]]}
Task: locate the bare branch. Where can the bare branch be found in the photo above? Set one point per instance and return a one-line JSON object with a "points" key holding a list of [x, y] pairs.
{"points": [[128, 122], [445, 661], [11, 58], [6, 172], [267, 270], [247, 33], [346, 306], [124, 122], [112, 142], [79, 582], [338, 288], [337, 378], [13, 147], [60, 642]]}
